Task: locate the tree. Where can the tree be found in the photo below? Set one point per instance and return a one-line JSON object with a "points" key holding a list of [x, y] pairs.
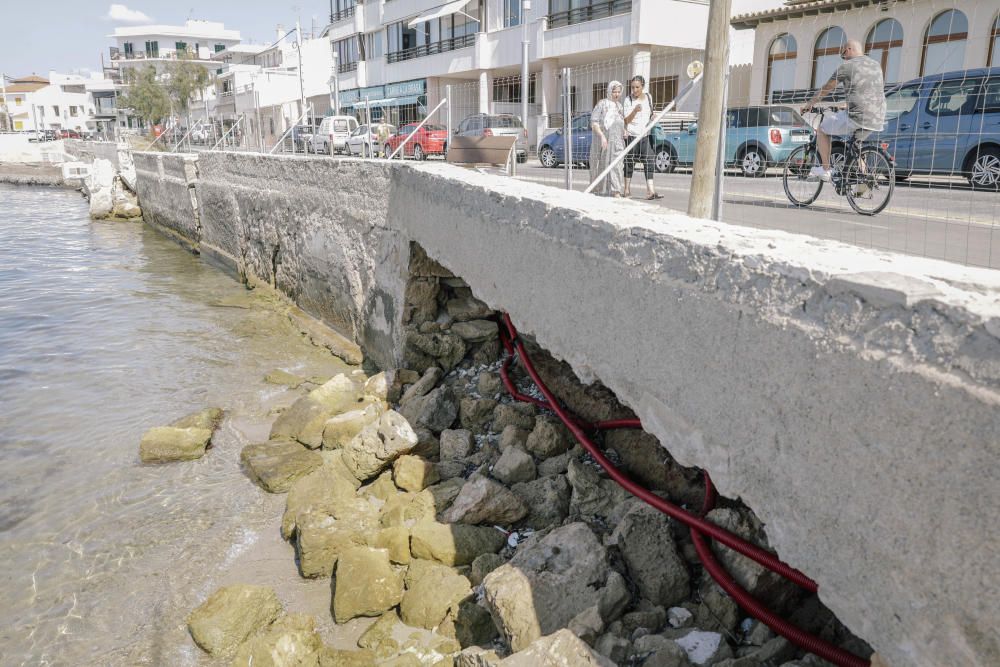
{"points": [[183, 80], [145, 95]]}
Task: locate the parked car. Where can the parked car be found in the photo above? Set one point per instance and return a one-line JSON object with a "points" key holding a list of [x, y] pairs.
{"points": [[946, 124], [552, 148], [360, 142], [199, 135], [756, 138], [333, 133], [69, 134], [302, 136], [428, 140], [496, 125]]}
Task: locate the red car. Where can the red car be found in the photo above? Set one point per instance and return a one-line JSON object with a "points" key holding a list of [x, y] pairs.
{"points": [[69, 134], [428, 140]]}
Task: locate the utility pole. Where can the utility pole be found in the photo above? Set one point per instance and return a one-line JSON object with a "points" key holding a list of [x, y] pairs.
{"points": [[302, 87], [7, 124], [711, 112], [525, 54], [334, 86]]}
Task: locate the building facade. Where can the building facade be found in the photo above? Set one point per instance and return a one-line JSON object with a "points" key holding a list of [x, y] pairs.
{"points": [[797, 46], [158, 45], [57, 102]]}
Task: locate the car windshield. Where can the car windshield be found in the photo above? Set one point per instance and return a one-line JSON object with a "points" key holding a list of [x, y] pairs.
{"points": [[502, 122], [340, 126]]}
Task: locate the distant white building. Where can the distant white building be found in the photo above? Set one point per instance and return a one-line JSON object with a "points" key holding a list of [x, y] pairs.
{"points": [[59, 102], [158, 45]]}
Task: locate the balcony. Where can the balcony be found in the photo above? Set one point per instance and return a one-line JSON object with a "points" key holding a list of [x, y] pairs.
{"points": [[443, 46], [598, 10], [343, 68], [345, 13]]}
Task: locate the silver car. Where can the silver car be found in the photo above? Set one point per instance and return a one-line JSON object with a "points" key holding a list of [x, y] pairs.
{"points": [[496, 125]]}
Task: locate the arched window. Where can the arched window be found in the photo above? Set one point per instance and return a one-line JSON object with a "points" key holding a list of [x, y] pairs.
{"points": [[826, 56], [944, 44], [993, 60], [781, 65], [885, 46]]}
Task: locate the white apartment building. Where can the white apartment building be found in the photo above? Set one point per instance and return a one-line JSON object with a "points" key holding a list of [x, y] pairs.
{"points": [[59, 102], [797, 46], [158, 45], [402, 53]]}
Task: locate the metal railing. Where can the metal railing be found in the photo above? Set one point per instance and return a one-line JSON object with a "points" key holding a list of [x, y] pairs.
{"points": [[443, 46], [228, 132], [347, 67], [417, 129], [597, 10], [346, 12], [281, 139]]}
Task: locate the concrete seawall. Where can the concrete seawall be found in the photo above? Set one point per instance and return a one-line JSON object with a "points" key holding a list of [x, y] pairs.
{"points": [[851, 398]]}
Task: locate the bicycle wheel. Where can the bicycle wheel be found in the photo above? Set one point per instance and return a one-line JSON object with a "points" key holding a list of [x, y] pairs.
{"points": [[802, 189], [869, 181]]}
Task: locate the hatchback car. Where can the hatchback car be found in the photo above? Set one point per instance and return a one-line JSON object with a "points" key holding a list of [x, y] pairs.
{"points": [[366, 143], [947, 124], [552, 149], [428, 140], [756, 138], [496, 125]]}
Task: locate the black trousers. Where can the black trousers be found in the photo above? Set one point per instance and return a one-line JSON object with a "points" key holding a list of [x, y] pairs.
{"points": [[641, 153]]}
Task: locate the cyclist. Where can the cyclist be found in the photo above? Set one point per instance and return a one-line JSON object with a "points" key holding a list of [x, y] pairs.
{"points": [[864, 90]]}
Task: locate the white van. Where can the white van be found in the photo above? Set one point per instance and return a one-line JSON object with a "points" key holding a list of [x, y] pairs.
{"points": [[333, 134]]}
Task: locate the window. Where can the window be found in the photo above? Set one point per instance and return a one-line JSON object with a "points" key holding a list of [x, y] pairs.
{"points": [[781, 65], [511, 13], [953, 98], [944, 43], [901, 101], [663, 90], [18, 125], [373, 46], [598, 92], [582, 123], [991, 97], [347, 53], [220, 47], [885, 46], [341, 9], [508, 89], [129, 49], [826, 56], [152, 49], [447, 33], [18, 101], [72, 111], [993, 59], [569, 12], [181, 46], [55, 110]]}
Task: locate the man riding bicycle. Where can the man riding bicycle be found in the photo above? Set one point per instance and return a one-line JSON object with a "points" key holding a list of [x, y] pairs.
{"points": [[864, 90]]}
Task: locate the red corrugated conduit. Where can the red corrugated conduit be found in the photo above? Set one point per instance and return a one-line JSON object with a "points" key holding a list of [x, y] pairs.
{"points": [[700, 527]]}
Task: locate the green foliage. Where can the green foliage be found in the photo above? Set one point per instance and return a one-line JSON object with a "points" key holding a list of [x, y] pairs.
{"points": [[145, 95], [185, 79]]}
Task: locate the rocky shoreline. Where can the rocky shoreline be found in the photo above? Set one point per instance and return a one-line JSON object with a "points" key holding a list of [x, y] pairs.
{"points": [[474, 530]]}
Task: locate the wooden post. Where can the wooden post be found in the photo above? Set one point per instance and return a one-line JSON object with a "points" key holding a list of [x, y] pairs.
{"points": [[711, 113]]}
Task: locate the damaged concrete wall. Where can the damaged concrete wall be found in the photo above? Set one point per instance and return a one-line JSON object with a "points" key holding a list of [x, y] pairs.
{"points": [[166, 182], [851, 397]]}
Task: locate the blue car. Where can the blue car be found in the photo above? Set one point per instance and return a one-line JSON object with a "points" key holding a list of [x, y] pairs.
{"points": [[946, 124], [552, 149], [756, 138]]}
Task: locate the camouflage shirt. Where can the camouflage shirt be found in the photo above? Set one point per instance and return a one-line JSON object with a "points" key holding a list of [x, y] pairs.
{"points": [[864, 90]]}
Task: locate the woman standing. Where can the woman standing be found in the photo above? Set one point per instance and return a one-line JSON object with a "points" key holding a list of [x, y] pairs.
{"points": [[638, 112], [608, 141]]}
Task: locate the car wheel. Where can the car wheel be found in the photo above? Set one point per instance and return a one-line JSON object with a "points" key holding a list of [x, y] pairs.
{"points": [[665, 161], [547, 157], [753, 162], [418, 153], [984, 172]]}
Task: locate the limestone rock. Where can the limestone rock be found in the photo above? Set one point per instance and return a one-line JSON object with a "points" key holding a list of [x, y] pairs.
{"points": [[455, 469], [366, 584], [321, 538], [489, 385], [556, 465], [290, 640], [436, 411], [408, 509], [514, 465], [412, 473], [646, 461], [587, 625], [321, 491], [420, 298], [650, 554], [445, 493], [648, 616], [431, 594], [379, 634], [560, 649], [593, 495], [331, 657], [475, 331], [341, 429], [272, 448], [378, 445], [483, 500], [382, 488], [445, 348], [679, 617], [284, 379], [612, 647], [306, 418], [423, 386], [717, 612], [428, 445], [467, 309], [476, 413], [483, 565], [547, 499], [230, 615], [615, 597], [456, 444], [396, 541], [455, 544], [546, 584], [548, 438], [512, 436], [166, 444], [662, 651], [277, 468], [475, 656], [472, 624], [209, 418], [518, 415], [377, 386], [704, 648]]}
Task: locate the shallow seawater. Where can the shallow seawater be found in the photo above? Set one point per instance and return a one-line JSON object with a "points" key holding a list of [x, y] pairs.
{"points": [[108, 329]]}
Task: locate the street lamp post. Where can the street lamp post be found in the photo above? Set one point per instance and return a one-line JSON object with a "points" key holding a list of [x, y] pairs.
{"points": [[525, 44], [334, 84]]}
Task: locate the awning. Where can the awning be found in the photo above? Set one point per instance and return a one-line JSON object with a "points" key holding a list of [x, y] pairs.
{"points": [[446, 9], [389, 102]]}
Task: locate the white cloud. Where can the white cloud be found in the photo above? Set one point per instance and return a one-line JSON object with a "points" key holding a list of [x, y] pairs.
{"points": [[122, 14]]}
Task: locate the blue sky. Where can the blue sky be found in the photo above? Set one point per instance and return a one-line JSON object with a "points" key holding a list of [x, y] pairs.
{"points": [[68, 35]]}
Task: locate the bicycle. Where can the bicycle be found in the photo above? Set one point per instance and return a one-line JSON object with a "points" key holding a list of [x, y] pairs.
{"points": [[866, 176]]}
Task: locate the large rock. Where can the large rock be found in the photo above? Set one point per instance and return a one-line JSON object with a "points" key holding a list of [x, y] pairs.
{"points": [[455, 544], [514, 465], [408, 509], [432, 590], [483, 565], [166, 444], [290, 641], [100, 188], [546, 584], [456, 444], [593, 495], [467, 309], [306, 418], [476, 413], [483, 500], [518, 415], [436, 411], [547, 499], [475, 331], [704, 648], [209, 418], [476, 656], [412, 473], [654, 564], [321, 537], [322, 491], [378, 445], [661, 652], [341, 429], [548, 438], [446, 349], [423, 386], [396, 541], [560, 649], [230, 615], [366, 584], [332, 657], [277, 467]]}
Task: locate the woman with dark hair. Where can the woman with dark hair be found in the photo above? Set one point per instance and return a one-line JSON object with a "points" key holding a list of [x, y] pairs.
{"points": [[638, 112]]}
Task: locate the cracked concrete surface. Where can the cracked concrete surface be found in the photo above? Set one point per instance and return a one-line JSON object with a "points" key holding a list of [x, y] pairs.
{"points": [[851, 397]]}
